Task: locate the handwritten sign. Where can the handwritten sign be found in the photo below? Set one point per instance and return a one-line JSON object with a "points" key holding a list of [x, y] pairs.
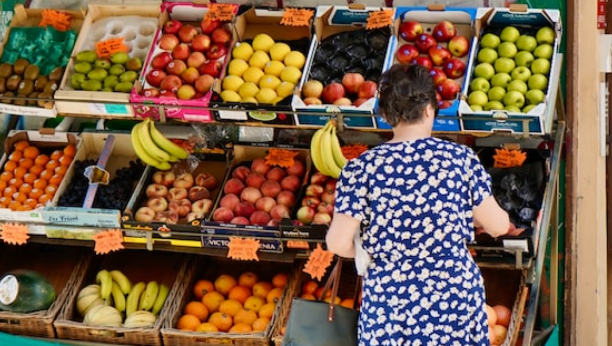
{"points": [[281, 157], [505, 158], [14, 233], [379, 19], [220, 12], [59, 20], [297, 17], [244, 249], [318, 262], [104, 49], [297, 244], [107, 241], [352, 151]]}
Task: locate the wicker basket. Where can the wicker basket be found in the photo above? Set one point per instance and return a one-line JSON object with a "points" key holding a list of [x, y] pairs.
{"points": [[210, 269], [166, 268], [60, 265]]}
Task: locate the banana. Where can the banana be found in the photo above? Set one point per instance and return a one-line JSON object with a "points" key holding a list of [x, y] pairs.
{"points": [[147, 143], [140, 319], [165, 144], [315, 149], [134, 298], [103, 315], [336, 149], [161, 299], [106, 283], [144, 155], [147, 299], [327, 157], [118, 297], [122, 281]]}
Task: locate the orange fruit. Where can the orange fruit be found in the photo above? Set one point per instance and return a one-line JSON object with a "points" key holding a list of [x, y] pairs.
{"points": [[309, 287], [30, 202], [4, 202], [45, 198], [239, 293], [245, 316], [230, 307], [30, 152], [201, 287], [40, 184], [337, 300], [29, 178], [262, 288], [280, 280], [254, 303], [46, 174], [240, 328], [247, 279], [51, 164], [16, 155], [267, 310], [9, 191], [19, 172], [56, 154], [56, 179], [65, 160], [15, 182], [207, 327], [51, 189], [212, 300], [24, 207], [41, 160], [319, 292], [20, 197], [196, 309], [21, 145], [3, 185], [260, 324], [26, 163], [61, 170], [69, 150], [10, 166], [224, 283], [222, 321], [188, 322], [6, 176], [274, 295], [14, 205], [36, 193], [36, 169], [347, 303], [25, 188], [308, 296]]}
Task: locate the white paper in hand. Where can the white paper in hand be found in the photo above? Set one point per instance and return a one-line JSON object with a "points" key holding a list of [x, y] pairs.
{"points": [[362, 258]]}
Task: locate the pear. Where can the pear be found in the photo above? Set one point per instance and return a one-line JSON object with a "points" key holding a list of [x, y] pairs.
{"points": [[87, 56], [119, 58]]}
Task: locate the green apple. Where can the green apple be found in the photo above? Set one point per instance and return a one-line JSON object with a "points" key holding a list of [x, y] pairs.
{"points": [[487, 55], [489, 41], [544, 51], [537, 81], [493, 105], [526, 43], [517, 85], [521, 73], [535, 96], [477, 97], [527, 108], [504, 65], [484, 70], [512, 109], [496, 93], [541, 66], [480, 84], [509, 34], [501, 79], [545, 35], [507, 50], [514, 98], [476, 108], [524, 58]]}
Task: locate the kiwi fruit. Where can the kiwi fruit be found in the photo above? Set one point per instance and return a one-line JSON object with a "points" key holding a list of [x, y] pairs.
{"points": [[31, 72], [6, 70], [12, 83], [41, 81], [25, 87], [2, 85], [20, 65], [20, 102], [51, 87], [44, 99], [5, 97], [56, 74], [33, 95]]}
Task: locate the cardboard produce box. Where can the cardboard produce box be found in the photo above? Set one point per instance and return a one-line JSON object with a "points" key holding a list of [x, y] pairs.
{"points": [[135, 24], [538, 119], [342, 44]]}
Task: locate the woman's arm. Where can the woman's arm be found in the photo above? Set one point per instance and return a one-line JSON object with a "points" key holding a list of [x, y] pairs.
{"points": [[491, 217], [340, 235]]}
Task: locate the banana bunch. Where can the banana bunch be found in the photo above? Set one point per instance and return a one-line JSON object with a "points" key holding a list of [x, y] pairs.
{"points": [[153, 148], [326, 152]]}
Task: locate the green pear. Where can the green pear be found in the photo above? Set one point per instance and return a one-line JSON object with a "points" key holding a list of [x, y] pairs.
{"points": [[82, 67], [116, 70], [91, 85], [120, 58], [97, 74], [102, 63], [128, 76], [87, 56], [124, 87], [134, 64], [76, 80]]}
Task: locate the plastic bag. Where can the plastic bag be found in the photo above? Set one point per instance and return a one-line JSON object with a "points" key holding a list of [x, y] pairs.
{"points": [[362, 258]]}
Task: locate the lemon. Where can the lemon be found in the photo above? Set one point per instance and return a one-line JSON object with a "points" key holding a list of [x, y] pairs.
{"points": [[262, 42], [237, 67], [269, 81], [249, 100], [274, 68], [279, 50], [291, 74], [232, 83], [259, 59], [253, 74], [285, 89], [295, 58], [266, 95], [248, 89], [242, 50], [277, 100], [230, 96]]}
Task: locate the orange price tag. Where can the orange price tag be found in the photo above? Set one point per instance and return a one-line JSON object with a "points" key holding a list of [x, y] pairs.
{"points": [[107, 241], [505, 158], [318, 262], [281, 157], [14, 233], [352, 151], [244, 249], [297, 244], [104, 49], [59, 20], [220, 12], [297, 17], [379, 19]]}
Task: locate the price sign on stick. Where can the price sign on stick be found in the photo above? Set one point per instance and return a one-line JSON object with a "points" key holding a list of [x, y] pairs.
{"points": [[104, 49], [14, 233], [318, 262], [297, 17], [505, 158], [244, 249], [379, 19], [220, 12], [107, 241], [281, 157]]}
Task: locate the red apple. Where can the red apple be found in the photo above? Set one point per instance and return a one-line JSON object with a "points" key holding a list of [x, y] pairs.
{"points": [[189, 76], [187, 33], [318, 178], [240, 220], [459, 46], [438, 97], [168, 41], [276, 173], [444, 104], [157, 204], [241, 172], [279, 211], [454, 68], [437, 75], [367, 89], [291, 183], [270, 188], [298, 168], [311, 201], [216, 51], [185, 92], [144, 214], [200, 42], [314, 190], [265, 203], [221, 35], [439, 55], [196, 59], [351, 82], [260, 166], [423, 61], [165, 178], [150, 92], [305, 215], [312, 88], [250, 194], [155, 77], [321, 219], [168, 94], [176, 67], [273, 223], [198, 192], [328, 197], [229, 201], [208, 25], [172, 26], [223, 215], [444, 31], [425, 41], [255, 180], [181, 206], [324, 207], [260, 218], [410, 30], [206, 180], [449, 89], [161, 60], [286, 197], [332, 92], [330, 185], [203, 83], [171, 83], [234, 186], [211, 68], [358, 102], [203, 206], [245, 209], [156, 190], [181, 51], [406, 53]]}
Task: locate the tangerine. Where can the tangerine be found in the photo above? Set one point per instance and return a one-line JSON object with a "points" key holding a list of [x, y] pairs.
{"points": [[240, 328], [308, 296], [24, 207], [45, 198], [4, 201], [267, 310], [10, 166], [36, 193], [65, 160], [15, 182], [274, 295], [247, 279], [201, 287], [188, 322], [36, 169], [41, 160], [26, 163], [245, 316], [319, 292], [347, 303], [230, 307], [262, 288], [16, 155], [3, 185], [51, 164], [20, 197], [56, 179], [56, 154], [30, 152], [14, 205], [224, 283], [20, 172], [207, 327], [46, 174], [29, 178], [239, 293], [254, 303], [280, 280], [261, 324], [51, 189], [70, 150], [40, 183], [21, 145], [9, 191], [30, 202], [61, 170], [25, 188], [196, 309], [222, 321], [6, 175], [212, 300]]}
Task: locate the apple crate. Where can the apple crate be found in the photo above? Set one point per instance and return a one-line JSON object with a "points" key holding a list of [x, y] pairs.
{"points": [[47, 141], [515, 117], [446, 61], [342, 44], [61, 265], [208, 268], [250, 22], [135, 24], [30, 18], [168, 269]]}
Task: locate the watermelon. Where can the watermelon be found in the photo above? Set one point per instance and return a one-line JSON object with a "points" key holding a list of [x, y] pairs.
{"points": [[25, 291]]}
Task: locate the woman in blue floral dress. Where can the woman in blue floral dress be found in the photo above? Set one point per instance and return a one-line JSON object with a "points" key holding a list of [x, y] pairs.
{"points": [[418, 199]]}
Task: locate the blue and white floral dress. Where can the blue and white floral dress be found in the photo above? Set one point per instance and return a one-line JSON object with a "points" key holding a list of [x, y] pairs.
{"points": [[415, 201]]}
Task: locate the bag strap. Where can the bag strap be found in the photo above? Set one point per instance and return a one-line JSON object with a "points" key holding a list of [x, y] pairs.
{"points": [[357, 292], [333, 282]]}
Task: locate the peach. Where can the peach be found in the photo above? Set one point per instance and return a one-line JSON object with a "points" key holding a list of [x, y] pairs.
{"points": [[328, 197], [273, 223], [184, 180], [260, 218], [298, 168], [223, 214], [194, 215], [330, 185], [255, 180], [250, 194], [265, 204], [198, 192], [279, 211], [318, 178], [156, 190], [234, 186], [229, 201], [311, 201], [240, 220], [270, 188], [177, 193], [165, 178], [325, 207], [314, 190], [291, 183], [157, 204], [144, 214], [181, 206], [321, 219], [245, 209], [203, 206], [351, 81], [241, 172], [168, 216], [286, 198], [206, 180], [276, 173], [260, 166], [305, 214]]}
